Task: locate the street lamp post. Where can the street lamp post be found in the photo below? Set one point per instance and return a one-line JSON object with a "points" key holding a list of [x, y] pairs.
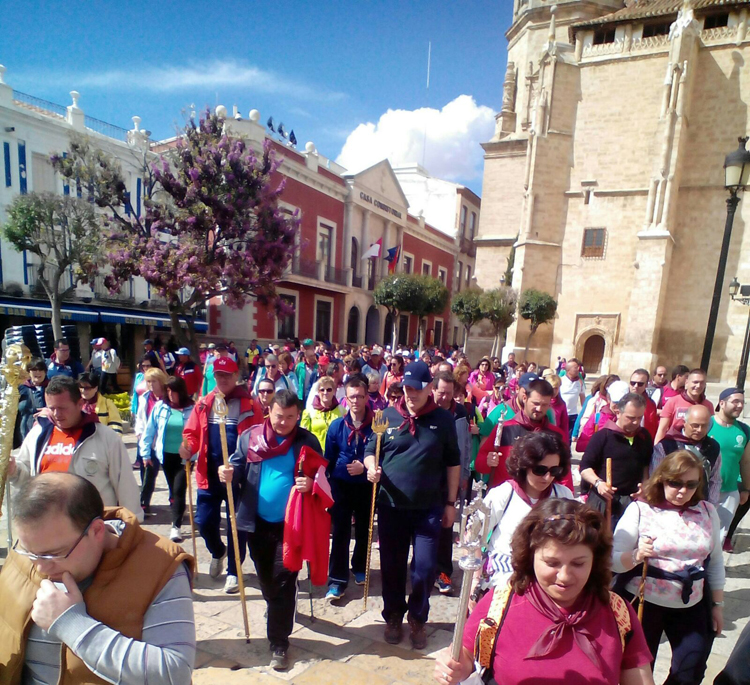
{"points": [[736, 176], [741, 293]]}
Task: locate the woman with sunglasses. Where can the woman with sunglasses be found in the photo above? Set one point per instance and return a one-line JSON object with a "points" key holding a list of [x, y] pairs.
{"points": [[395, 373], [536, 465], [482, 377], [95, 403], [678, 532], [325, 410]]}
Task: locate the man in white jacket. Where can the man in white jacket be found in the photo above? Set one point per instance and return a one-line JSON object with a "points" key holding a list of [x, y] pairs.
{"points": [[68, 440]]}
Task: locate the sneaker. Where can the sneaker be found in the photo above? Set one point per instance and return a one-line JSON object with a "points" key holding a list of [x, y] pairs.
{"points": [[231, 585], [418, 635], [175, 535], [359, 578], [217, 566], [335, 593], [443, 584], [728, 546], [279, 660], [393, 630]]}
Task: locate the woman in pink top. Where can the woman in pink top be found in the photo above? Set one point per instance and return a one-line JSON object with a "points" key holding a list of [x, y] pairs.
{"points": [[482, 377], [560, 625], [677, 531]]}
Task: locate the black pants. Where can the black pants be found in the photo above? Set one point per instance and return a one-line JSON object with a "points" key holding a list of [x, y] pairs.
{"points": [[108, 384], [277, 583], [349, 498], [737, 670], [738, 516], [398, 529], [445, 552], [174, 471], [149, 472], [688, 633]]}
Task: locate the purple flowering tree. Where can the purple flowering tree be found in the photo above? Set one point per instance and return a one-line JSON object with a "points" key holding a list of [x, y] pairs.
{"points": [[211, 224]]}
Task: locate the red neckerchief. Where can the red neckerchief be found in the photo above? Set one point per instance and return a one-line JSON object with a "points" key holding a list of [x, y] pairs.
{"points": [[411, 419], [575, 621], [266, 445], [522, 493], [355, 432], [318, 405], [89, 407], [679, 436], [689, 400]]}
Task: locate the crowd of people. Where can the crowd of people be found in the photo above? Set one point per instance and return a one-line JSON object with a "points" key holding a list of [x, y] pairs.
{"points": [[662, 485]]}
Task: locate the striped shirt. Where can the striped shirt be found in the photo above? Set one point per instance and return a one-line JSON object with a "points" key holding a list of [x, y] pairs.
{"points": [[164, 655]]}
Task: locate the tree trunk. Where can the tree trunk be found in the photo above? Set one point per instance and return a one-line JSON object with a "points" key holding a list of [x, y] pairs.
{"points": [[422, 329], [56, 317], [185, 336], [394, 334], [467, 332], [528, 343]]}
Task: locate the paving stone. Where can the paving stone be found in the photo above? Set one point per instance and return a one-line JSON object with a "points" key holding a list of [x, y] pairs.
{"points": [[402, 665], [335, 673]]}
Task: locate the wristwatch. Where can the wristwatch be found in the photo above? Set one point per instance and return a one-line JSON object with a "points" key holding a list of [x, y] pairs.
{"points": [[596, 484], [717, 604], [450, 504]]}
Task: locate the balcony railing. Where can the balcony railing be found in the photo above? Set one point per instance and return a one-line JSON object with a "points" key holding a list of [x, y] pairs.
{"points": [[305, 267], [334, 275], [39, 104], [357, 281]]}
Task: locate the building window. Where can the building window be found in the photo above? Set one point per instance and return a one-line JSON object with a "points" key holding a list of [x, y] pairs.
{"points": [[403, 329], [287, 328], [472, 225], [468, 275], [426, 268], [714, 21], [605, 35], [442, 275], [455, 335], [594, 242], [462, 225], [408, 263], [438, 342], [459, 275], [323, 311], [651, 30]]}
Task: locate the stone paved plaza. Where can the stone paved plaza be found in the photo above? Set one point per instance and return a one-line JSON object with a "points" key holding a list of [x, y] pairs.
{"points": [[344, 643]]}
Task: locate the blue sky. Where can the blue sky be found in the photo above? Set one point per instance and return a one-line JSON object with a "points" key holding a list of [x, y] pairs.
{"points": [[328, 70]]}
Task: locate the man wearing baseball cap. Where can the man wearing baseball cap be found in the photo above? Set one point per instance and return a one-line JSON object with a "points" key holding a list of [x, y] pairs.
{"points": [[306, 370], [419, 476], [375, 365], [189, 371], [202, 435]]}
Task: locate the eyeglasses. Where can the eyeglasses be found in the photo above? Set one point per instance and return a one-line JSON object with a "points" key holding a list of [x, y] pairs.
{"points": [[660, 374], [679, 484], [265, 392], [541, 470], [637, 384], [272, 366], [325, 390], [52, 557]]}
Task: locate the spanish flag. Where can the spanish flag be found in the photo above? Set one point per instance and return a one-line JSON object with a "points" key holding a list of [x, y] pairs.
{"points": [[392, 257]]}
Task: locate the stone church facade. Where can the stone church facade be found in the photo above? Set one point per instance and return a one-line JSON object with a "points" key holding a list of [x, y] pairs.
{"points": [[605, 178]]}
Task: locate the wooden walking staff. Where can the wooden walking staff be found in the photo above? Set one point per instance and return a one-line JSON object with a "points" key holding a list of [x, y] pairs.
{"points": [[189, 476], [379, 426], [498, 440], [475, 526], [642, 591], [609, 485], [221, 411]]}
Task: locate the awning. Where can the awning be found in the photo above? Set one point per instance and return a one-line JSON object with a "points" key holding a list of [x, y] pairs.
{"points": [[44, 311], [138, 317]]}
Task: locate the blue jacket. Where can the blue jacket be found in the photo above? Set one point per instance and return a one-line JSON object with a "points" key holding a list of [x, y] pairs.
{"points": [[340, 453], [246, 480], [153, 433], [72, 369]]}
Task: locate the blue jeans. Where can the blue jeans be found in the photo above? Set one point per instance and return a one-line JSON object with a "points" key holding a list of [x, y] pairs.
{"points": [[398, 529], [208, 520]]}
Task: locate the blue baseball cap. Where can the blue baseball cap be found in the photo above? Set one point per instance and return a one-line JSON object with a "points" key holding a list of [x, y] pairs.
{"points": [[183, 350], [417, 375]]}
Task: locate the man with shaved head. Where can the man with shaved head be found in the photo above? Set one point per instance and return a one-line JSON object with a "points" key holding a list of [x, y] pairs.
{"points": [[693, 437]]}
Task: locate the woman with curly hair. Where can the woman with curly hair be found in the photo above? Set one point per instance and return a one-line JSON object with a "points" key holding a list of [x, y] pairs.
{"points": [[482, 377], [679, 533], [536, 464], [556, 621]]}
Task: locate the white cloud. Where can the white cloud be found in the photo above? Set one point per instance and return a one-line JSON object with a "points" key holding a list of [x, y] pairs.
{"points": [[447, 139], [213, 74]]}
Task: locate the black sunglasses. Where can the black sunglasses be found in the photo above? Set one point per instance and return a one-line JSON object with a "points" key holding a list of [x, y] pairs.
{"points": [[637, 384], [679, 484], [554, 471]]}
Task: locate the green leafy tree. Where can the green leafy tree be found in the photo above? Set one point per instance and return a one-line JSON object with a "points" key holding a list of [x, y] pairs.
{"points": [[538, 308], [467, 306], [396, 293], [431, 297], [63, 231], [499, 308], [510, 263]]}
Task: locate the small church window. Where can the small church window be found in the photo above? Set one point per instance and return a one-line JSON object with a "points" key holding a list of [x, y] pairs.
{"points": [[714, 21], [604, 35], [650, 30], [594, 240]]}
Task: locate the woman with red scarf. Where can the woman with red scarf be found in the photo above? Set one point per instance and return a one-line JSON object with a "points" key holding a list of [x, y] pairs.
{"points": [[395, 374], [556, 621], [95, 403], [325, 410]]}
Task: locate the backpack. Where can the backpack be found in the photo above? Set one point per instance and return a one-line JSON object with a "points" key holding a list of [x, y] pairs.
{"points": [[489, 627]]}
